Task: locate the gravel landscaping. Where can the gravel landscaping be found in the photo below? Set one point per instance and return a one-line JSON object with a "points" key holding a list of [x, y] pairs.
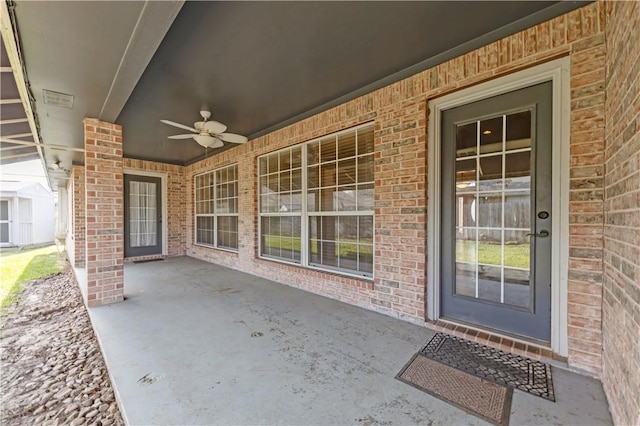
{"points": [[53, 372]]}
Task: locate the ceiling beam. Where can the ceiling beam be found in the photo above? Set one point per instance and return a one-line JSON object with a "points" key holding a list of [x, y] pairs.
{"points": [[39, 145], [14, 121], [8, 33], [18, 135], [154, 21], [11, 148], [11, 157]]}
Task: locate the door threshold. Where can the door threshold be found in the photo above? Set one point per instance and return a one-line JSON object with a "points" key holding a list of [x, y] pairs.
{"points": [[498, 340], [144, 259]]}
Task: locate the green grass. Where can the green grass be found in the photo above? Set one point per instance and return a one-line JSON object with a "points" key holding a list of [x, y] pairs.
{"points": [[343, 249], [516, 255], [18, 267]]}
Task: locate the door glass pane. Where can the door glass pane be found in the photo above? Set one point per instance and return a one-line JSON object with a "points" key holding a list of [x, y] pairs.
{"points": [[142, 214], [466, 175], [466, 279], [518, 170], [490, 173], [4, 232], [490, 283], [4, 210], [517, 212], [467, 140], [493, 209], [519, 126], [490, 210], [466, 245], [490, 246], [517, 289], [517, 249], [466, 209], [491, 135]]}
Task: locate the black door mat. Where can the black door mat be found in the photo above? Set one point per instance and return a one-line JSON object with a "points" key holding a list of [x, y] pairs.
{"points": [[522, 373], [487, 400]]}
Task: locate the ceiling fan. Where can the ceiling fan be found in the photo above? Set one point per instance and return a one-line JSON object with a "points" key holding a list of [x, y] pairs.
{"points": [[209, 134], [56, 166]]}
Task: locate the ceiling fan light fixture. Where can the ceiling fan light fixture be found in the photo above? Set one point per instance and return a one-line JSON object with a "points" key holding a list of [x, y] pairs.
{"points": [[208, 141]]}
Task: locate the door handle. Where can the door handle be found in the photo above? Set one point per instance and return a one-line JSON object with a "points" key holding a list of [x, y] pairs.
{"points": [[542, 234]]}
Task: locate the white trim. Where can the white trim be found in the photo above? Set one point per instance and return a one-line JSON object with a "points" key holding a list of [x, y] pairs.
{"points": [[163, 190], [556, 71]]}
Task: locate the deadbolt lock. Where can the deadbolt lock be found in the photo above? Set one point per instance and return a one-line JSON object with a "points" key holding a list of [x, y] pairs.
{"points": [[543, 215]]}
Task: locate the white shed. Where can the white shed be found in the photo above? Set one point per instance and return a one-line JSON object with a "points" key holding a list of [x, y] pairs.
{"points": [[27, 214]]}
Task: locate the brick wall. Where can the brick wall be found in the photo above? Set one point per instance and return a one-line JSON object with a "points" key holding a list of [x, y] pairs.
{"points": [[586, 191], [400, 117], [176, 201], [621, 322], [104, 212], [76, 234]]}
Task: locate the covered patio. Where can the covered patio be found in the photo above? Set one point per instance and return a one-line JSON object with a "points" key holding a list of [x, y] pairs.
{"points": [[198, 343], [375, 153]]}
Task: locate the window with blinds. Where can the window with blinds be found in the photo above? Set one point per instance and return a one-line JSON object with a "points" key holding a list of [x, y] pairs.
{"points": [[317, 204], [216, 208]]}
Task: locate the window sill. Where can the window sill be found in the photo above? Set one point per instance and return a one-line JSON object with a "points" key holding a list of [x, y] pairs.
{"points": [[361, 280], [215, 248]]}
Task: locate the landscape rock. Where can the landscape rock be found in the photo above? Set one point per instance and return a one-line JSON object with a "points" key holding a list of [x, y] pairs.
{"points": [[53, 372]]}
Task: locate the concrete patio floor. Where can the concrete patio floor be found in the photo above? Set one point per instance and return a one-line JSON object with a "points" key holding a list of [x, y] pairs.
{"points": [[197, 343]]}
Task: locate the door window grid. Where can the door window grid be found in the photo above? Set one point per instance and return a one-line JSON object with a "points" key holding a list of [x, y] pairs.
{"points": [[142, 214], [474, 259], [316, 203], [216, 208]]}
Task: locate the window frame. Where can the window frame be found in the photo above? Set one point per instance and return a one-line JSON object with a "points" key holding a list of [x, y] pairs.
{"points": [[216, 215], [305, 214]]}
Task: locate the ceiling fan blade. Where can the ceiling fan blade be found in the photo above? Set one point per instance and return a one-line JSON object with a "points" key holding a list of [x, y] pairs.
{"points": [[233, 138], [217, 144], [185, 136], [178, 125], [199, 125], [214, 127]]}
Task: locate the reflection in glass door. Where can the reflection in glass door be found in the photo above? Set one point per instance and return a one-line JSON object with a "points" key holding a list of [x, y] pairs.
{"points": [[493, 189]]}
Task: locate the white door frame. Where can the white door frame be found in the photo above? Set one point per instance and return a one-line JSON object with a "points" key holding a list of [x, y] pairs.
{"points": [[163, 200], [556, 71]]}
